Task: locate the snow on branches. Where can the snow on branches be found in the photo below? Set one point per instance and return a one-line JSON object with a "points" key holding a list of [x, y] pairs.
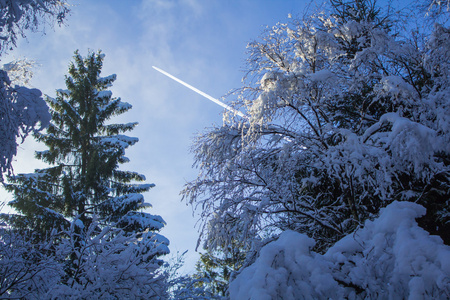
{"points": [[345, 117], [108, 264], [105, 245], [389, 257], [22, 111], [17, 16]]}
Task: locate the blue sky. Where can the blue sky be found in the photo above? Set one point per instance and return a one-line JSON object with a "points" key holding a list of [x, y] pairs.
{"points": [[200, 41]]}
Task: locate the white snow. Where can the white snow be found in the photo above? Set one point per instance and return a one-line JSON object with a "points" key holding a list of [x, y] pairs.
{"points": [[144, 220], [111, 77], [322, 75], [391, 257], [119, 140], [104, 94], [64, 92]]}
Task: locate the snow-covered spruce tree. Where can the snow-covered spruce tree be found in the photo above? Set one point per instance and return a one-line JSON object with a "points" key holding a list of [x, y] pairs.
{"points": [[85, 196], [345, 115]]}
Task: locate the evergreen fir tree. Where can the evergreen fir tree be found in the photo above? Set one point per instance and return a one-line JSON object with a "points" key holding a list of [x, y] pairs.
{"points": [[84, 153], [83, 191]]}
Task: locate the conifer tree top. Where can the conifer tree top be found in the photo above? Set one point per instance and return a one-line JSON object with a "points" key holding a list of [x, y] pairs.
{"points": [[85, 150]]}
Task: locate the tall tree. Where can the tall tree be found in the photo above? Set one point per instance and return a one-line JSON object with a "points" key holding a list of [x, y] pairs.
{"points": [[83, 192], [344, 117]]}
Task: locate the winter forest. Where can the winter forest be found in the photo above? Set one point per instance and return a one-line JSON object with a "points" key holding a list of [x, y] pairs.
{"points": [[328, 179]]}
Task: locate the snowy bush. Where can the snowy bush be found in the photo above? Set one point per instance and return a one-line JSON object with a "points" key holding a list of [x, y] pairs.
{"points": [[111, 265], [106, 265], [390, 257], [27, 270]]}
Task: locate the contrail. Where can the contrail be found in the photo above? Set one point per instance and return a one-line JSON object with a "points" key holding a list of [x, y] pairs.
{"points": [[202, 93]]}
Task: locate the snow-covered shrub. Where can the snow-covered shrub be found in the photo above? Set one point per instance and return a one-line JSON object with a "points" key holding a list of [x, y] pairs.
{"points": [[390, 257], [27, 270], [111, 264]]}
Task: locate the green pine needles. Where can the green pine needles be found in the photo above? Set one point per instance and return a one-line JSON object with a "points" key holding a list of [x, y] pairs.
{"points": [[83, 211], [84, 150]]}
